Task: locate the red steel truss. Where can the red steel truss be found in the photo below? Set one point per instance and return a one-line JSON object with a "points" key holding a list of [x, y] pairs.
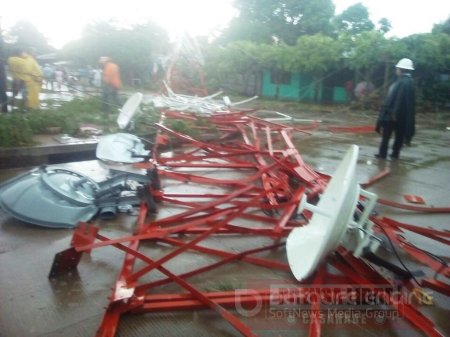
{"points": [[258, 179]]}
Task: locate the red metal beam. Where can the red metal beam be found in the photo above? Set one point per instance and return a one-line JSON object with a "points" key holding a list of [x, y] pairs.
{"points": [[422, 209], [121, 290], [355, 268], [233, 320], [141, 289], [376, 178], [437, 285], [254, 260], [419, 254], [280, 180]]}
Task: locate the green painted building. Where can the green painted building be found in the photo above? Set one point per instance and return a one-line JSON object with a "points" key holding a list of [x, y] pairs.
{"points": [[300, 87]]}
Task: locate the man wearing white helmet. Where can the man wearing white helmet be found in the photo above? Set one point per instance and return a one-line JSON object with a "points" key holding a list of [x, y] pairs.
{"points": [[398, 112]]}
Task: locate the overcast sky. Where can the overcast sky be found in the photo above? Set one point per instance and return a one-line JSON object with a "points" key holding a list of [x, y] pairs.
{"points": [[62, 21]]}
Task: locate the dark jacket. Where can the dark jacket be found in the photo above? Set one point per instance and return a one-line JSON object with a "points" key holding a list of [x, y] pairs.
{"points": [[400, 105]]}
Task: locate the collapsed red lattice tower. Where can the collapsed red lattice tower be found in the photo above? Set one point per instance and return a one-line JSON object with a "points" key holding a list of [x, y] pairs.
{"points": [[259, 198]]}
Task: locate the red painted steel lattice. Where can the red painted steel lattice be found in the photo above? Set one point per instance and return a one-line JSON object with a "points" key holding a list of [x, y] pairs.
{"points": [[256, 178]]}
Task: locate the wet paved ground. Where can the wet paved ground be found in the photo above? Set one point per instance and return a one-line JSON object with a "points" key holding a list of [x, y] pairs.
{"points": [[31, 305]]}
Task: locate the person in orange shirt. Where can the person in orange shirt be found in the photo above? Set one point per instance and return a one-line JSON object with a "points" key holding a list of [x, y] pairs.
{"points": [[110, 83]]}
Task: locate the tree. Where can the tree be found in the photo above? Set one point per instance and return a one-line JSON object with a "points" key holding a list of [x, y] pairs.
{"points": [[372, 56], [430, 51], [365, 49], [25, 35], [359, 47], [266, 21], [316, 55], [354, 20], [134, 49], [431, 55], [384, 25], [443, 27], [241, 61]]}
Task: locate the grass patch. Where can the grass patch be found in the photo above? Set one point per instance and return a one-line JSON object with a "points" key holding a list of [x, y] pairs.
{"points": [[15, 131], [18, 128]]}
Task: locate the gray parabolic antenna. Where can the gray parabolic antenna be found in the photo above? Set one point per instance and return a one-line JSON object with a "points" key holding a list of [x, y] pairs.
{"points": [[129, 109], [50, 197], [307, 246]]}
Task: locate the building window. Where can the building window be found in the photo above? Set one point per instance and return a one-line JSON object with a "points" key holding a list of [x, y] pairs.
{"points": [[280, 77]]}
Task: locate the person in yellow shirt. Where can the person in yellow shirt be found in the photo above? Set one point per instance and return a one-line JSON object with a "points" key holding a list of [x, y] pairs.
{"points": [[3, 97], [33, 81], [16, 67], [110, 83]]}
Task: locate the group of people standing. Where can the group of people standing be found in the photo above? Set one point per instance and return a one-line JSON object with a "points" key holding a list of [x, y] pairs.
{"points": [[53, 75], [28, 79]]}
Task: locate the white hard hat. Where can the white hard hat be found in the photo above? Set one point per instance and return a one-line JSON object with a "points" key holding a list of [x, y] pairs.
{"points": [[103, 59], [405, 64]]}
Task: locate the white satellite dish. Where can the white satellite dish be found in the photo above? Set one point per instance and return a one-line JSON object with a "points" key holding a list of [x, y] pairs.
{"points": [[128, 110], [121, 148], [307, 246]]}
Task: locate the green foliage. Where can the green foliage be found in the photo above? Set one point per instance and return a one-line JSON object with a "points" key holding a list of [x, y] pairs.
{"points": [[315, 54], [354, 20], [15, 130], [431, 55], [178, 125], [144, 122], [68, 116], [196, 129], [39, 122], [443, 27], [262, 21], [312, 54], [184, 127], [437, 92], [371, 49], [431, 52], [384, 25]]}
